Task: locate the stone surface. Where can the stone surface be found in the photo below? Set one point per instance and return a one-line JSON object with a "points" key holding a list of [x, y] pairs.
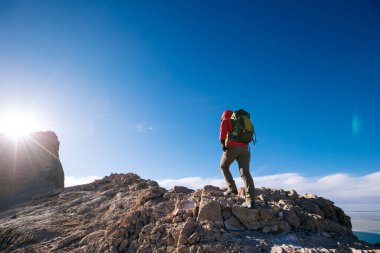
{"points": [[124, 213], [233, 224], [181, 189], [249, 217], [29, 166], [210, 211]]}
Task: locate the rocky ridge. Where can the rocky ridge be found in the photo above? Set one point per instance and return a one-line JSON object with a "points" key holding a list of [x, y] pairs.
{"points": [[124, 213]]}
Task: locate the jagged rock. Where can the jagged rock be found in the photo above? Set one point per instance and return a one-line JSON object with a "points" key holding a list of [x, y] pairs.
{"points": [[150, 193], [124, 213], [249, 217], [188, 206], [283, 226], [233, 224], [266, 214], [292, 218], [29, 167], [181, 189], [210, 210]]}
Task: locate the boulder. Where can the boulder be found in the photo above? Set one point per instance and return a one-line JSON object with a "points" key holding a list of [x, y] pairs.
{"points": [[292, 218], [249, 217], [210, 211], [29, 167], [233, 224], [181, 189]]}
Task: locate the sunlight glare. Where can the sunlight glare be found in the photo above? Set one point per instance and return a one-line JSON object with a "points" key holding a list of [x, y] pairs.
{"points": [[18, 124]]}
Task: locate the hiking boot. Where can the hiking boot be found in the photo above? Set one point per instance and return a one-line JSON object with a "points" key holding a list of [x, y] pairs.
{"points": [[230, 193], [248, 204]]}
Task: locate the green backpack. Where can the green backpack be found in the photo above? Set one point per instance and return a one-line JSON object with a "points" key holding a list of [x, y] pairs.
{"points": [[244, 130]]}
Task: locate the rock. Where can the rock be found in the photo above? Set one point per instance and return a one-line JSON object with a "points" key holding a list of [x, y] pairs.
{"points": [[185, 233], [29, 167], [249, 217], [113, 249], [210, 211], [188, 206], [283, 226], [311, 208], [194, 238], [150, 193], [293, 194], [233, 224], [325, 234], [277, 249], [124, 213], [266, 214], [181, 189], [292, 218], [270, 228], [210, 190]]}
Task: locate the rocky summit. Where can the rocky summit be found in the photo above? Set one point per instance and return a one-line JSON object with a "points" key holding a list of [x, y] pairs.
{"points": [[124, 213]]}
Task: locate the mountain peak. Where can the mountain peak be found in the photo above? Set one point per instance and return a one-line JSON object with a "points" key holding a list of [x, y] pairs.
{"points": [[124, 213]]}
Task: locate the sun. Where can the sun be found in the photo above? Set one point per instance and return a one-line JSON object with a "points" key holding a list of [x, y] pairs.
{"points": [[18, 123]]}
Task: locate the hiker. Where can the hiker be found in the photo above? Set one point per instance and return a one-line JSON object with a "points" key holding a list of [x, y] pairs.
{"points": [[239, 151]]}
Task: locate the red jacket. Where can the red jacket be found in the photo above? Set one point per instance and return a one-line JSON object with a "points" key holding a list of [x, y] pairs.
{"points": [[226, 126]]}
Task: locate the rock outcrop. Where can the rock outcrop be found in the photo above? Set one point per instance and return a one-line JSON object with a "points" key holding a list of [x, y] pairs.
{"points": [[124, 213], [28, 167]]}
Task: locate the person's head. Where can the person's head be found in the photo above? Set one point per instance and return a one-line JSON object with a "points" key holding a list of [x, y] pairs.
{"points": [[227, 114]]}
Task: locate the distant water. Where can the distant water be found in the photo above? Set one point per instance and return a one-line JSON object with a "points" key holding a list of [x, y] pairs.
{"points": [[368, 237], [366, 225]]}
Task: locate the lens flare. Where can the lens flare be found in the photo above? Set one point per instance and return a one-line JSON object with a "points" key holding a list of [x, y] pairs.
{"points": [[17, 123]]}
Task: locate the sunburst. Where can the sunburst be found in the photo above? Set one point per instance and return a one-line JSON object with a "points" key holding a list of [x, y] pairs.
{"points": [[18, 123]]}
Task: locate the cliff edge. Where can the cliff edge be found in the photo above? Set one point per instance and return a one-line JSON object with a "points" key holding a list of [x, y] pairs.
{"points": [[124, 213]]}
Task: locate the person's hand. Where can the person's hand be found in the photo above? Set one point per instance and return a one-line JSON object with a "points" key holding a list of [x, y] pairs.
{"points": [[224, 148]]}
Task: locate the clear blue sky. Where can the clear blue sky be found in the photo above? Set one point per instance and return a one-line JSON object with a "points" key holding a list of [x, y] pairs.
{"points": [[139, 86]]}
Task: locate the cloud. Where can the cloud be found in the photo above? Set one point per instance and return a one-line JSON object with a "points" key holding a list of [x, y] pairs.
{"points": [[71, 181], [352, 193], [191, 182]]}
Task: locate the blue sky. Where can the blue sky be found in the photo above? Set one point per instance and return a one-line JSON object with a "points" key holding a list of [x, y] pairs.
{"points": [[139, 86]]}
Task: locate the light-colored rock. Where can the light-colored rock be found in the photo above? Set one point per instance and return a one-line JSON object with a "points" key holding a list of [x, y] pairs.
{"points": [[187, 230], [181, 189], [150, 193], [248, 217], [188, 206], [210, 211], [277, 249], [233, 224], [210, 190]]}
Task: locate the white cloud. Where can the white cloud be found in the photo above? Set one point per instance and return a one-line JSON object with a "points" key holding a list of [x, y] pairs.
{"points": [[191, 182], [71, 181], [347, 191]]}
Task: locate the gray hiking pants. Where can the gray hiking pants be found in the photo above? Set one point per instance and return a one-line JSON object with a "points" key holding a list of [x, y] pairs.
{"points": [[242, 156]]}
